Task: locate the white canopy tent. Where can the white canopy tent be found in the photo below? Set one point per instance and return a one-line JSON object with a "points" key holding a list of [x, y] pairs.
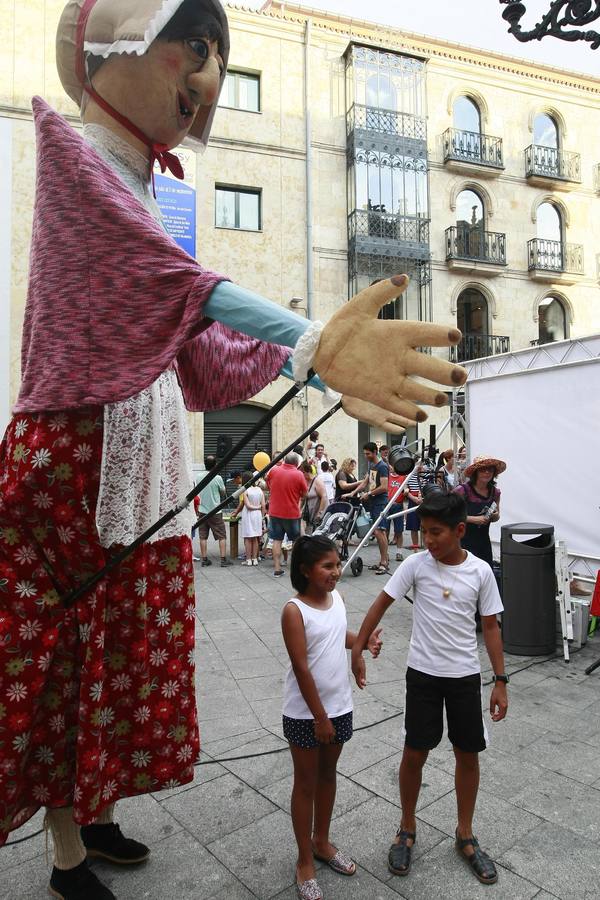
{"points": [[539, 410]]}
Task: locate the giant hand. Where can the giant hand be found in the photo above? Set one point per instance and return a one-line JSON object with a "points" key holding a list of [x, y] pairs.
{"points": [[372, 359]]}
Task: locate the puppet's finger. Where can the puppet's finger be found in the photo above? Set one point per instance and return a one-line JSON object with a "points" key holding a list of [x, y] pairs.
{"points": [[434, 369], [422, 334], [377, 295]]}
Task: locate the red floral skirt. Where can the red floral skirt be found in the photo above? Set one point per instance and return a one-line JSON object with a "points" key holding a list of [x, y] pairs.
{"points": [[97, 701]]}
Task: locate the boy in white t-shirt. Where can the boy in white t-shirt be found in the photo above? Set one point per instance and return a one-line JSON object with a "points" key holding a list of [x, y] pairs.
{"points": [[449, 585]]}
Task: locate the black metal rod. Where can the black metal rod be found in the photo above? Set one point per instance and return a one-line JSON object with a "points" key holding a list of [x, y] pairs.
{"points": [[74, 596], [281, 455]]}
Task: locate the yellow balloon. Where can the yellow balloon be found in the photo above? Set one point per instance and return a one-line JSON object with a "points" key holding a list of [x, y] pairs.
{"points": [[260, 460]]}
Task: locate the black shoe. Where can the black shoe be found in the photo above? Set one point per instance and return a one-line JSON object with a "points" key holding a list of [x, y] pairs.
{"points": [[108, 842], [206, 561], [278, 573], [79, 883], [225, 562]]}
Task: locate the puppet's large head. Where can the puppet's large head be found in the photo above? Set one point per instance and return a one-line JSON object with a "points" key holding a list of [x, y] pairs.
{"points": [[160, 64]]}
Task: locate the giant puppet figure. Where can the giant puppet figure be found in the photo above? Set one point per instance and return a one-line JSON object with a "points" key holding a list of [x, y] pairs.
{"points": [[123, 331]]}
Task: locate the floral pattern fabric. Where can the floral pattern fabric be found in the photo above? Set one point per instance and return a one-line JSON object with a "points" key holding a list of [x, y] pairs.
{"points": [[96, 701]]}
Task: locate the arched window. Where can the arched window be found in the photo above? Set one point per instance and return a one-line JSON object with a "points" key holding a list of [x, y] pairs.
{"points": [[552, 320], [466, 115], [549, 223], [545, 131], [472, 312], [470, 224]]}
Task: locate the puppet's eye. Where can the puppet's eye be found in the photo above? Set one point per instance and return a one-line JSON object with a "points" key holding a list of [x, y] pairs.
{"points": [[199, 47]]}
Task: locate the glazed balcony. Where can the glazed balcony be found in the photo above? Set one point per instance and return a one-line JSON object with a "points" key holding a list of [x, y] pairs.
{"points": [[385, 121], [388, 234], [478, 346], [475, 250], [472, 153], [545, 165], [555, 261]]}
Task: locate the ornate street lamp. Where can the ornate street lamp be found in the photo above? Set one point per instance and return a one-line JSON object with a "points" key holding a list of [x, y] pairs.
{"points": [[563, 20]]}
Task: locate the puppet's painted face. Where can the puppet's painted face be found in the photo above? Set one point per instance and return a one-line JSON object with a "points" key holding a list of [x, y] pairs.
{"points": [[162, 90]]}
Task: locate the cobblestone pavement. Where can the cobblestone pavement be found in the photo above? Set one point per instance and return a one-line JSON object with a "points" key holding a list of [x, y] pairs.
{"points": [[229, 834]]}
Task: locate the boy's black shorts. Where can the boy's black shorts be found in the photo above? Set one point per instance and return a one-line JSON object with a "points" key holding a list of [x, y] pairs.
{"points": [[423, 713]]}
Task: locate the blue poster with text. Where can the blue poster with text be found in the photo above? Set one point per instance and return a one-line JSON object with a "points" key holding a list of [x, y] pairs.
{"points": [[177, 203]]}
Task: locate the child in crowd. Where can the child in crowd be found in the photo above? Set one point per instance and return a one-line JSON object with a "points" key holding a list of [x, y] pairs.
{"points": [[317, 707], [328, 479], [449, 585], [253, 508]]}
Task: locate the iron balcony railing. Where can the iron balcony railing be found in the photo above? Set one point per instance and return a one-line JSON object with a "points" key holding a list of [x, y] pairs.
{"points": [[477, 346], [476, 244], [386, 121], [473, 147], [555, 256], [549, 162], [366, 223]]}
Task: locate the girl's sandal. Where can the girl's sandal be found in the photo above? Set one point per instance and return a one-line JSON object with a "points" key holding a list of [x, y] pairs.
{"points": [[309, 890], [382, 570], [339, 862], [399, 856], [482, 866]]}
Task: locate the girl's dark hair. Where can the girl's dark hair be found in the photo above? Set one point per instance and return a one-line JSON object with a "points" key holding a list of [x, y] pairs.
{"points": [[449, 509], [306, 552], [306, 466], [247, 476], [324, 466], [491, 482], [314, 435]]}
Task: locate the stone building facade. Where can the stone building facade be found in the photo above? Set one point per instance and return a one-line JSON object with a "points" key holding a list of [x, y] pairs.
{"points": [[476, 173]]}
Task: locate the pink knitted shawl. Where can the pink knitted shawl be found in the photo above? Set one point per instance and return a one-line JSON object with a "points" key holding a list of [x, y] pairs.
{"points": [[113, 301]]}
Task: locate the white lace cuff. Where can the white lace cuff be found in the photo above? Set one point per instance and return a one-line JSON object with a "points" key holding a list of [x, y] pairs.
{"points": [[305, 350]]}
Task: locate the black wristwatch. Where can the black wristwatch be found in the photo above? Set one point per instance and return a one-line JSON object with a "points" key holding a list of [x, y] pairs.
{"points": [[503, 678]]}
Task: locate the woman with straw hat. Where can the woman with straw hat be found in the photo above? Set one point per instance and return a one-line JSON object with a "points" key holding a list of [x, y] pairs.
{"points": [[483, 504]]}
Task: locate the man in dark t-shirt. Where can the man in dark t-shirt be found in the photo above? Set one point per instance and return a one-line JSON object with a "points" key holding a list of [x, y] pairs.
{"points": [[375, 496]]}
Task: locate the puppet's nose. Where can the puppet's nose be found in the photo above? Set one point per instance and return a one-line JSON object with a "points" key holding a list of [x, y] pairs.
{"points": [[204, 84]]}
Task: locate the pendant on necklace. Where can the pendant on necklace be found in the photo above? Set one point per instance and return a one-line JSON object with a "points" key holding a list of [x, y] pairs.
{"points": [[446, 593]]}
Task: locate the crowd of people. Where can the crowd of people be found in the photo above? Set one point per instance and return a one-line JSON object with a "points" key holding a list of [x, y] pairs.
{"points": [[295, 494]]}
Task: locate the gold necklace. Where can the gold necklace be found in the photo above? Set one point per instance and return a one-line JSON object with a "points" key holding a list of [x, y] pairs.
{"points": [[446, 591]]}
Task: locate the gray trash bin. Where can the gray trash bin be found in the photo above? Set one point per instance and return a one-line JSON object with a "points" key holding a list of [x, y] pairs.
{"points": [[528, 589]]}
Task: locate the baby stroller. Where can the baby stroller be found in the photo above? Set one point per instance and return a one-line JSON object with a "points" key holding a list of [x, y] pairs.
{"points": [[340, 521]]}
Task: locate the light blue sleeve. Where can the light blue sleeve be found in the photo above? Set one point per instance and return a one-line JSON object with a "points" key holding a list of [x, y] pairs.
{"points": [[251, 314]]}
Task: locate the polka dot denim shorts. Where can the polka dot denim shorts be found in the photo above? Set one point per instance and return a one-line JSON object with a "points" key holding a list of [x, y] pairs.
{"points": [[301, 732]]}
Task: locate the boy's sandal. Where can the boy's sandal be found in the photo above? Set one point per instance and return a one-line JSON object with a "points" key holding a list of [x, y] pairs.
{"points": [[399, 856], [373, 567], [309, 890], [382, 570], [339, 862], [483, 867]]}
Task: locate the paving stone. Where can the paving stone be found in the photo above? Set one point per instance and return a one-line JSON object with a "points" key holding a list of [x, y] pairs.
{"points": [[227, 746], [566, 756], [563, 802], [267, 864], [561, 862], [512, 734], [559, 689], [498, 824], [543, 713], [255, 668], [499, 773], [202, 773], [228, 726], [262, 770], [217, 808], [362, 751], [442, 874], [367, 831], [220, 704], [382, 779], [268, 712], [348, 795], [179, 869]]}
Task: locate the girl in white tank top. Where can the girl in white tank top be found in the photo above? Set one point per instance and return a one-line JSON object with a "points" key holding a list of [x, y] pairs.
{"points": [[317, 705]]}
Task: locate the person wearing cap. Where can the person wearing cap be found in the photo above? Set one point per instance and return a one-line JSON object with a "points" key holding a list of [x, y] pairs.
{"points": [[483, 504], [123, 331]]}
